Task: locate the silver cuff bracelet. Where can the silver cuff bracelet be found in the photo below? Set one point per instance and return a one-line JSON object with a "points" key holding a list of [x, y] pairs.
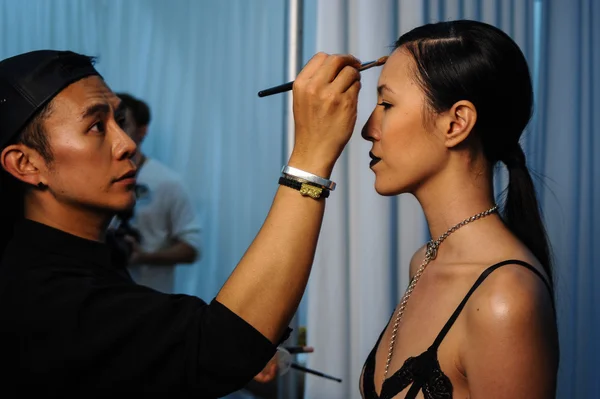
{"points": [[300, 174]]}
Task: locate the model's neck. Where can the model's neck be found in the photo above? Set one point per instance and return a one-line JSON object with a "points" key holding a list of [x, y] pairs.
{"points": [[454, 196]]}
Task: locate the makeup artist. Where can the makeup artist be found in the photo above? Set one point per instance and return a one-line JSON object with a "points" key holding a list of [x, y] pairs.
{"points": [[72, 325]]}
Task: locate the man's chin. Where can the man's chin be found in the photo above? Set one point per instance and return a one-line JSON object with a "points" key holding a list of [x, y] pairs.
{"points": [[126, 206]]}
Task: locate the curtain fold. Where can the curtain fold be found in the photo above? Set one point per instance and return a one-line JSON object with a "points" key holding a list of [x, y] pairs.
{"points": [[568, 144]]}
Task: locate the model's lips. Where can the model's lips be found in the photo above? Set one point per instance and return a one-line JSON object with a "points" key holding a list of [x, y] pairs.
{"points": [[374, 159]]}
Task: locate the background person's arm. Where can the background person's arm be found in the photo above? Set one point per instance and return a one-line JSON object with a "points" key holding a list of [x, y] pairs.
{"points": [[179, 252]]}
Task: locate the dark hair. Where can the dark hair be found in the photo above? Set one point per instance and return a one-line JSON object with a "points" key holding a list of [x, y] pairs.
{"points": [[477, 62], [34, 134], [139, 109]]}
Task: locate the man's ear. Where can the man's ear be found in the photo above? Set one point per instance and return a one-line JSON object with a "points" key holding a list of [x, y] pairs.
{"points": [[23, 163], [458, 123]]}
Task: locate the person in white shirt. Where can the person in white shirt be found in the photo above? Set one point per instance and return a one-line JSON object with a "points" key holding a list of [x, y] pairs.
{"points": [[163, 215]]}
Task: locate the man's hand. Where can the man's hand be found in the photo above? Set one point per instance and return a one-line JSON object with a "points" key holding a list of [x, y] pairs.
{"points": [[325, 111], [269, 373]]}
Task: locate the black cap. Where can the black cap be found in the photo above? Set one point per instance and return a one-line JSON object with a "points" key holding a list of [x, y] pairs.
{"points": [[29, 81]]}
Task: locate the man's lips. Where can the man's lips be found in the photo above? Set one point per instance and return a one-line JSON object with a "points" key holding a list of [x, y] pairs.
{"points": [[127, 178]]}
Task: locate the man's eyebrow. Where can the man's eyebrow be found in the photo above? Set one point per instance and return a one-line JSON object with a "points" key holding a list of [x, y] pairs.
{"points": [[96, 109]]}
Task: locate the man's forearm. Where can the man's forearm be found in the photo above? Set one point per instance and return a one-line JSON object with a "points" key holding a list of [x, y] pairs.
{"points": [[267, 285]]}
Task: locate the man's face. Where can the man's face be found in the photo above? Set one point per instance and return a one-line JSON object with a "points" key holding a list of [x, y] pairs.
{"points": [[92, 165]]}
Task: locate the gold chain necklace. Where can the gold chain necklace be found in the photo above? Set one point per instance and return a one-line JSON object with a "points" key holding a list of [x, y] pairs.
{"points": [[430, 254]]}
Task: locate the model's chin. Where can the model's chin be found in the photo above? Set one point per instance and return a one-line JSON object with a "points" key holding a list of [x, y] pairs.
{"points": [[386, 193], [388, 188], [383, 190]]}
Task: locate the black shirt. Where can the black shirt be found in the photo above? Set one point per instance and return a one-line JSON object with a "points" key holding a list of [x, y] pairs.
{"points": [[74, 325]]}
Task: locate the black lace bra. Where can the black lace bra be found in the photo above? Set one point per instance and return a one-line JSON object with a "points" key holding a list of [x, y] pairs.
{"points": [[423, 371]]}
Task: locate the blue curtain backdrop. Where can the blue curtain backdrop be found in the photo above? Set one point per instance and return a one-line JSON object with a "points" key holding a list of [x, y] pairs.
{"points": [[199, 65]]}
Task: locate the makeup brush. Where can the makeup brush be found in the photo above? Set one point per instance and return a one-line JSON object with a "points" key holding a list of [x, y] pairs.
{"points": [[314, 372], [288, 86]]}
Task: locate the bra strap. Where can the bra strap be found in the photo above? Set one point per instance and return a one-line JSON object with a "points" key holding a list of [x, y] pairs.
{"points": [[480, 280]]}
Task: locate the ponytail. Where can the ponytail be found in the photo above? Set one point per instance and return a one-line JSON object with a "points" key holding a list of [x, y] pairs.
{"points": [[522, 212]]}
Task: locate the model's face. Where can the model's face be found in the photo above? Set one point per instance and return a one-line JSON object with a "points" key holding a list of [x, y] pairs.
{"points": [[406, 150]]}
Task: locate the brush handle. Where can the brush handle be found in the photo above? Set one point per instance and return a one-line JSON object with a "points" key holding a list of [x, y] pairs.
{"points": [[311, 371], [289, 85], [276, 90]]}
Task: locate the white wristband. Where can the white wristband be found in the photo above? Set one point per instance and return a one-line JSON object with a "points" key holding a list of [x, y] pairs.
{"points": [[300, 174]]}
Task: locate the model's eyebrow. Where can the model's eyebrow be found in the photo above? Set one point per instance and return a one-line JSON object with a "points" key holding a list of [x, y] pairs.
{"points": [[383, 88]]}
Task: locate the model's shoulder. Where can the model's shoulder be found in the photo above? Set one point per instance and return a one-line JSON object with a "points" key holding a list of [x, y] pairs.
{"points": [[513, 296]]}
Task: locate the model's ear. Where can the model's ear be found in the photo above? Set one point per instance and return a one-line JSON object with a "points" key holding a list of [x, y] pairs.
{"points": [[458, 122]]}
